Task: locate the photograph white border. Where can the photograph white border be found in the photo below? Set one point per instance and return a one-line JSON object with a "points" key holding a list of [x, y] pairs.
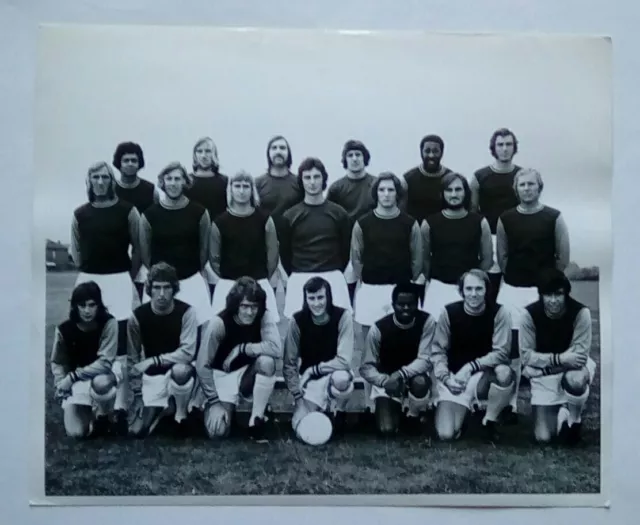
{"points": [[37, 388]]}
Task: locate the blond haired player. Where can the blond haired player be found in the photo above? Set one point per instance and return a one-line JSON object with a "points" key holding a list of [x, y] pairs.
{"points": [[530, 238], [177, 231], [470, 357], [103, 233], [208, 188], [244, 242]]}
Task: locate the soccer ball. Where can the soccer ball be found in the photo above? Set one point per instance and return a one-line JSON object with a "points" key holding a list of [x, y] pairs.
{"points": [[314, 429]]}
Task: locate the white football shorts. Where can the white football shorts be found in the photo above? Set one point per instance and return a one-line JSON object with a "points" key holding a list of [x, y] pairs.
{"points": [[548, 391]]}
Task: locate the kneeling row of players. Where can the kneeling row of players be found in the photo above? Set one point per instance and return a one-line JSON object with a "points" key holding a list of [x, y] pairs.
{"points": [[458, 364]]}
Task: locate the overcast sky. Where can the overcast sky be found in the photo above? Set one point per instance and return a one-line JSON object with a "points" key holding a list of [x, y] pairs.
{"points": [[166, 87]]}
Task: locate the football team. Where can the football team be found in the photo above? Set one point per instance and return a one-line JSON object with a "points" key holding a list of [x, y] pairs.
{"points": [[457, 286]]}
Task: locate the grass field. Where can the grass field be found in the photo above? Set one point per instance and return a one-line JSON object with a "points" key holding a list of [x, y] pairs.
{"points": [[357, 464]]}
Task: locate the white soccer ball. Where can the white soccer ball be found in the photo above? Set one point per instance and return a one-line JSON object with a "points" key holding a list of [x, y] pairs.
{"points": [[314, 429]]}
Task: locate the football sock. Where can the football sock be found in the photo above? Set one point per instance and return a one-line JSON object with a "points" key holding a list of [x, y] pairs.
{"points": [[262, 389], [122, 392], [497, 399], [103, 402], [516, 367], [182, 395], [575, 405]]}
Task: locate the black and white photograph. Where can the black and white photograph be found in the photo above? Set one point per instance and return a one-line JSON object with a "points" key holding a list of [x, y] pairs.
{"points": [[313, 263]]}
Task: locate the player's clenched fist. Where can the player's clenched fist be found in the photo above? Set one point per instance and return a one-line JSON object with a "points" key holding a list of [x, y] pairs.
{"points": [[573, 359], [394, 385], [454, 386]]}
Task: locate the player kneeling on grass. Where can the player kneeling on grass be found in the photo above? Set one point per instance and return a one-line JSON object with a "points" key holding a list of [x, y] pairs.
{"points": [[317, 356], [555, 341], [237, 357], [85, 373], [161, 338], [470, 357], [396, 360]]}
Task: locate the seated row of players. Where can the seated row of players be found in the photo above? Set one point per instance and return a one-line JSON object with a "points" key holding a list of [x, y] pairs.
{"points": [[459, 363], [314, 237]]}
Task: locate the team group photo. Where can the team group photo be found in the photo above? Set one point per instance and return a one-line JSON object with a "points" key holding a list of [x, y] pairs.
{"points": [[226, 318]]}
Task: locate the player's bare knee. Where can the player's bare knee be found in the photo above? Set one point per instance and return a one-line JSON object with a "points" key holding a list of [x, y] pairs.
{"points": [[103, 383], [265, 365], [504, 375], [575, 382], [181, 373], [341, 380], [419, 386]]}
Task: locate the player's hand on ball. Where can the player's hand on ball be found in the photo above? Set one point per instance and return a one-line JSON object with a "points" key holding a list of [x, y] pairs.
{"points": [[394, 384], [453, 385], [217, 418], [226, 366], [573, 360]]}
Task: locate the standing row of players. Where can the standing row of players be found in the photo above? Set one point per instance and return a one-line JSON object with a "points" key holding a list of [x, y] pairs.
{"points": [[361, 252]]}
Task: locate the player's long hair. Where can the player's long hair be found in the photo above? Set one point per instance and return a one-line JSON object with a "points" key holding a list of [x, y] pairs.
{"points": [[111, 193], [289, 158], [502, 132], [87, 291], [355, 145], [551, 280], [171, 167], [243, 176], [522, 173], [480, 274], [387, 175], [215, 162], [308, 164], [410, 288], [248, 289], [125, 148], [162, 272], [313, 285], [447, 180], [432, 138]]}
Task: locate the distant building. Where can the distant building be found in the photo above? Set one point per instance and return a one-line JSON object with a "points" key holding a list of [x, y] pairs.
{"points": [[58, 257]]}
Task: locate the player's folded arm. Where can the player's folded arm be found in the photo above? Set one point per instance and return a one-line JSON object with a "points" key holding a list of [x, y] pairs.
{"points": [[290, 364], [186, 350], [271, 344], [439, 348], [501, 351], [106, 354], [369, 368]]}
